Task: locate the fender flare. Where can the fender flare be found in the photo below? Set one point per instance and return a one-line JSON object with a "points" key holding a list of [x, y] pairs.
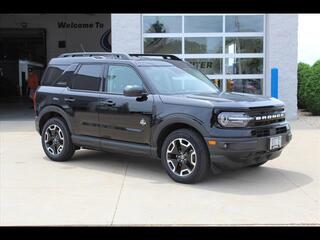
{"points": [[58, 110], [187, 119]]}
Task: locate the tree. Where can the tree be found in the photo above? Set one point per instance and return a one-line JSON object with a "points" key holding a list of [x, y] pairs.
{"points": [[304, 73], [312, 90]]}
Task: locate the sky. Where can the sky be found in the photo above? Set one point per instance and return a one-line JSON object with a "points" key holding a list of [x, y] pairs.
{"points": [[308, 38]]}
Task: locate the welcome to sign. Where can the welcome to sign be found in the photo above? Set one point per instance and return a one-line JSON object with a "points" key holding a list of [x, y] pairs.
{"points": [[75, 25], [105, 41]]}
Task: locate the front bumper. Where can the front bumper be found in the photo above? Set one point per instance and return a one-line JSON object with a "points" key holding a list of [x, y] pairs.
{"points": [[230, 153]]}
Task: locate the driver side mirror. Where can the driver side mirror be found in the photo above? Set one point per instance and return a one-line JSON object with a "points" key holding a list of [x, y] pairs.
{"points": [[134, 91]]}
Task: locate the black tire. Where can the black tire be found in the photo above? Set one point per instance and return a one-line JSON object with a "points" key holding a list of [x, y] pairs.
{"points": [[202, 163], [68, 148], [257, 164]]}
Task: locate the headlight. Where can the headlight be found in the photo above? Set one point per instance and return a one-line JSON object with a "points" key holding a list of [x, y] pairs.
{"points": [[233, 119]]}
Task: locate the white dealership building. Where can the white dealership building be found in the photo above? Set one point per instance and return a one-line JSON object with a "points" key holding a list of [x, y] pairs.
{"points": [[236, 51]]}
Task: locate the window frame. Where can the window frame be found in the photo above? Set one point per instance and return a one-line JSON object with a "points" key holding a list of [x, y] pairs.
{"points": [[222, 55]]}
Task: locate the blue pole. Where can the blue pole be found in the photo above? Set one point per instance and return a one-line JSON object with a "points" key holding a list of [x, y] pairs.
{"points": [[274, 82]]}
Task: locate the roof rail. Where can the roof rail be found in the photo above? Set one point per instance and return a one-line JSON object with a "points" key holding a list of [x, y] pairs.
{"points": [[95, 54], [164, 56]]}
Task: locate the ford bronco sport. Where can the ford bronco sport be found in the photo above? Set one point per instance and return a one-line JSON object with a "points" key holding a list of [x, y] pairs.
{"points": [[157, 106]]}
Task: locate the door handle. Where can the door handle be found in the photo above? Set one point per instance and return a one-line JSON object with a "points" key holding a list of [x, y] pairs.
{"points": [[69, 99], [109, 103]]}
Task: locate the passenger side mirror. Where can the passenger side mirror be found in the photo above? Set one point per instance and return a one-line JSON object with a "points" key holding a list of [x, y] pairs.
{"points": [[134, 91]]}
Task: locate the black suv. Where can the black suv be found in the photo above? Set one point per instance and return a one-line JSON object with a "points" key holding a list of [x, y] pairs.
{"points": [[157, 106]]}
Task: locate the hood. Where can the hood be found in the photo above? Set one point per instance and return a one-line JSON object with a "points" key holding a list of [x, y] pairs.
{"points": [[223, 99]]}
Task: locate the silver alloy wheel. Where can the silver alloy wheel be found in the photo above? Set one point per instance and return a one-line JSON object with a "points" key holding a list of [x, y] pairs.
{"points": [[181, 157], [54, 139]]}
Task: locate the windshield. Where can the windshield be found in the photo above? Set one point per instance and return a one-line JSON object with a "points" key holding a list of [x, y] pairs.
{"points": [[174, 80]]}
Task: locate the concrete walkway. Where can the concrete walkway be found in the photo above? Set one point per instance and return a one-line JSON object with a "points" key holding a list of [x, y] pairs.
{"points": [[97, 188]]}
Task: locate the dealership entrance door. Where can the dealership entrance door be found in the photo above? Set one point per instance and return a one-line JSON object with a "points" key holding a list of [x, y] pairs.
{"points": [[20, 49]]}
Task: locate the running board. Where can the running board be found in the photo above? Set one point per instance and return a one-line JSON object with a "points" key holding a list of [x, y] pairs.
{"points": [[111, 145]]}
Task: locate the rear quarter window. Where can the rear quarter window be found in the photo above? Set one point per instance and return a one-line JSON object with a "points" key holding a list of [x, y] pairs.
{"points": [[52, 73], [59, 75]]}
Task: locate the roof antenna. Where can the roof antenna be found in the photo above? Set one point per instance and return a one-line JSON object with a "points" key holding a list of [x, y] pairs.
{"points": [[82, 48]]}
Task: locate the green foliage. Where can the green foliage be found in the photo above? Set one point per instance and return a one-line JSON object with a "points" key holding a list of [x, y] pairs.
{"points": [[309, 87], [304, 72]]}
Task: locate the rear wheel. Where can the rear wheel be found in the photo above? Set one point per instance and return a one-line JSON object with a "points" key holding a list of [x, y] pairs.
{"points": [[56, 140], [184, 156]]}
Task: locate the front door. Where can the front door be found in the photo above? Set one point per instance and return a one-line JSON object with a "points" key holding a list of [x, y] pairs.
{"points": [[121, 117]]}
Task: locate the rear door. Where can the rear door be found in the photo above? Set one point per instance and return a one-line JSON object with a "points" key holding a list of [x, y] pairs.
{"points": [[121, 117], [82, 99]]}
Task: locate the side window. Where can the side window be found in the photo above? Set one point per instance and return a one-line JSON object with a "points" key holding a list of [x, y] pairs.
{"points": [[119, 77], [88, 77], [66, 76], [52, 74]]}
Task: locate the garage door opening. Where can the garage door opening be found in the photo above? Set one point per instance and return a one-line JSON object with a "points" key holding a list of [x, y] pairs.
{"points": [[20, 49]]}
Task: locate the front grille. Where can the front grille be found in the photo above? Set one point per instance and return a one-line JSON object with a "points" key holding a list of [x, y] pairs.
{"points": [[261, 132], [265, 132], [266, 116], [262, 123]]}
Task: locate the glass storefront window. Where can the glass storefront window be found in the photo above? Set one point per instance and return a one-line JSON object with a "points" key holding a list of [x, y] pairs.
{"points": [[252, 86], [244, 23], [225, 47], [203, 24], [162, 24], [203, 45], [209, 66], [244, 45], [244, 65], [217, 82], [163, 45]]}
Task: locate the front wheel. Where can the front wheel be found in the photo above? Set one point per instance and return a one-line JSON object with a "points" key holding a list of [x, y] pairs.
{"points": [[56, 140], [184, 156]]}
